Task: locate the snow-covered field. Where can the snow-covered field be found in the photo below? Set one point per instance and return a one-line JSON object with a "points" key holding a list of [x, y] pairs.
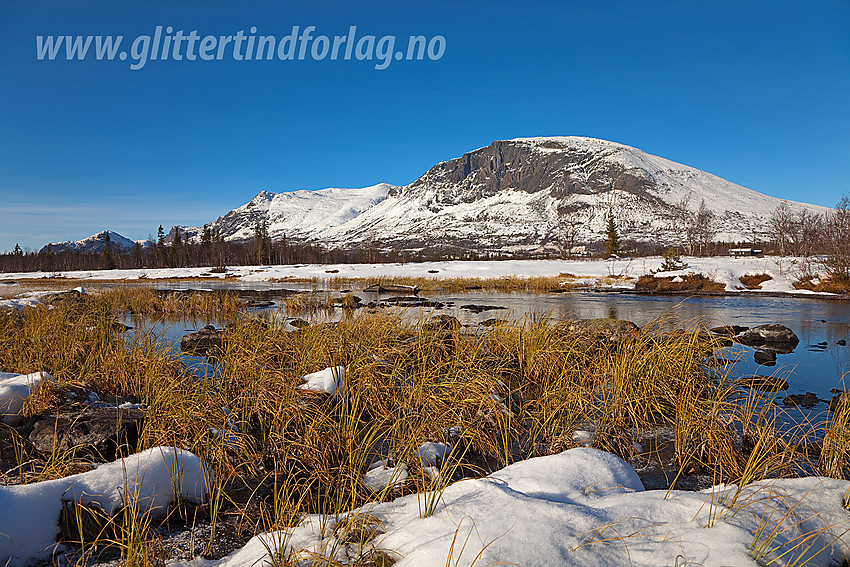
{"points": [[722, 269]]}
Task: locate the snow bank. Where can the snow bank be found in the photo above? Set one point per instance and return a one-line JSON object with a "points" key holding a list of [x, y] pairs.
{"points": [[330, 380], [14, 390], [593, 273], [588, 508], [150, 479]]}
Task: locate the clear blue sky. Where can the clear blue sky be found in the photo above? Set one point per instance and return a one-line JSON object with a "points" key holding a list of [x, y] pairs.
{"points": [[756, 92]]}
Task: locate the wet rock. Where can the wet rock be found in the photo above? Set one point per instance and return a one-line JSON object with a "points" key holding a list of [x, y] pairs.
{"points": [[777, 338], [765, 358], [837, 399], [612, 330], [258, 303], [202, 341], [492, 322], [413, 301], [841, 342], [299, 323], [807, 400], [392, 288], [120, 327], [763, 383], [728, 330], [102, 432], [481, 308], [70, 297]]}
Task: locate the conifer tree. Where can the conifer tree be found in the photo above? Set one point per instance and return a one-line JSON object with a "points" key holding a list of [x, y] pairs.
{"points": [[108, 261], [612, 236]]}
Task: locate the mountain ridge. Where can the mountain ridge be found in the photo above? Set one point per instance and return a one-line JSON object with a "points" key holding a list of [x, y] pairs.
{"points": [[513, 196]]}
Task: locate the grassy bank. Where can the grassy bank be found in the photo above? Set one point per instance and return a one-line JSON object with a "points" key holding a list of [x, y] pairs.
{"points": [[517, 391]]}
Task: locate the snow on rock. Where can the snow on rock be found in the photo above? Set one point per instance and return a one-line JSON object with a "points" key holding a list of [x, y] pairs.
{"points": [[330, 380], [433, 454], [381, 476], [150, 479], [14, 390], [30, 299], [585, 507]]}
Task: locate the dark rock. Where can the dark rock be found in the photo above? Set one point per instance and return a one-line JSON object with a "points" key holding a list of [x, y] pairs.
{"points": [[102, 432], [729, 330], [299, 323], [120, 327], [492, 322], [258, 303], [202, 341], [766, 358], [777, 338], [433, 271], [70, 297], [413, 301], [837, 399], [481, 308], [392, 288], [763, 383], [807, 400], [841, 342]]}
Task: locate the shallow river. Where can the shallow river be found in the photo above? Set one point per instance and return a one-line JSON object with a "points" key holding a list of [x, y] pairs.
{"points": [[812, 367]]}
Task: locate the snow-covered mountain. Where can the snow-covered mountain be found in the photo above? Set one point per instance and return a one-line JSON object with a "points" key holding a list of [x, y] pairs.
{"points": [[514, 195], [93, 243]]}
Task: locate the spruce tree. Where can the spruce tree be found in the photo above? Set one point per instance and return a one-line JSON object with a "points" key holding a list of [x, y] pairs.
{"points": [[108, 261], [612, 237], [160, 246], [173, 253]]}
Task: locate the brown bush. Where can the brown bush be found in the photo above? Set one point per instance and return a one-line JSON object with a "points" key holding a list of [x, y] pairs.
{"points": [[754, 281], [691, 283]]}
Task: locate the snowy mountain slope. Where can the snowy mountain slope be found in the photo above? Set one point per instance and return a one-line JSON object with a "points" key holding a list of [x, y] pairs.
{"points": [[302, 215], [93, 243], [510, 195]]}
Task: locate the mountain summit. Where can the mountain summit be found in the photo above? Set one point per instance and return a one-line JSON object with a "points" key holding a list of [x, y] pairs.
{"points": [[515, 195]]}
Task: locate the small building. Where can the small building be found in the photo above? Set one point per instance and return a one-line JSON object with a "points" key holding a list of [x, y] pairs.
{"points": [[741, 252]]}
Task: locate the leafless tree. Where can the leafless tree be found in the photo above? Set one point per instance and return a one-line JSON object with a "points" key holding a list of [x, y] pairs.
{"points": [[781, 227], [696, 229], [571, 218], [836, 241], [705, 227], [808, 231]]}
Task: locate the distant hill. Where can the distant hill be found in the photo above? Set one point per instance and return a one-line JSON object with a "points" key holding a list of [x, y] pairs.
{"points": [[92, 244]]}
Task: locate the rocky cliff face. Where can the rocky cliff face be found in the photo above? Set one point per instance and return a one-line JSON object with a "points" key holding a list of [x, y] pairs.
{"points": [[514, 195]]}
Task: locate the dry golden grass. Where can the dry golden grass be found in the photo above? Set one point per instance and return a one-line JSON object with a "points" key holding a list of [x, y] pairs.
{"points": [[517, 391]]}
